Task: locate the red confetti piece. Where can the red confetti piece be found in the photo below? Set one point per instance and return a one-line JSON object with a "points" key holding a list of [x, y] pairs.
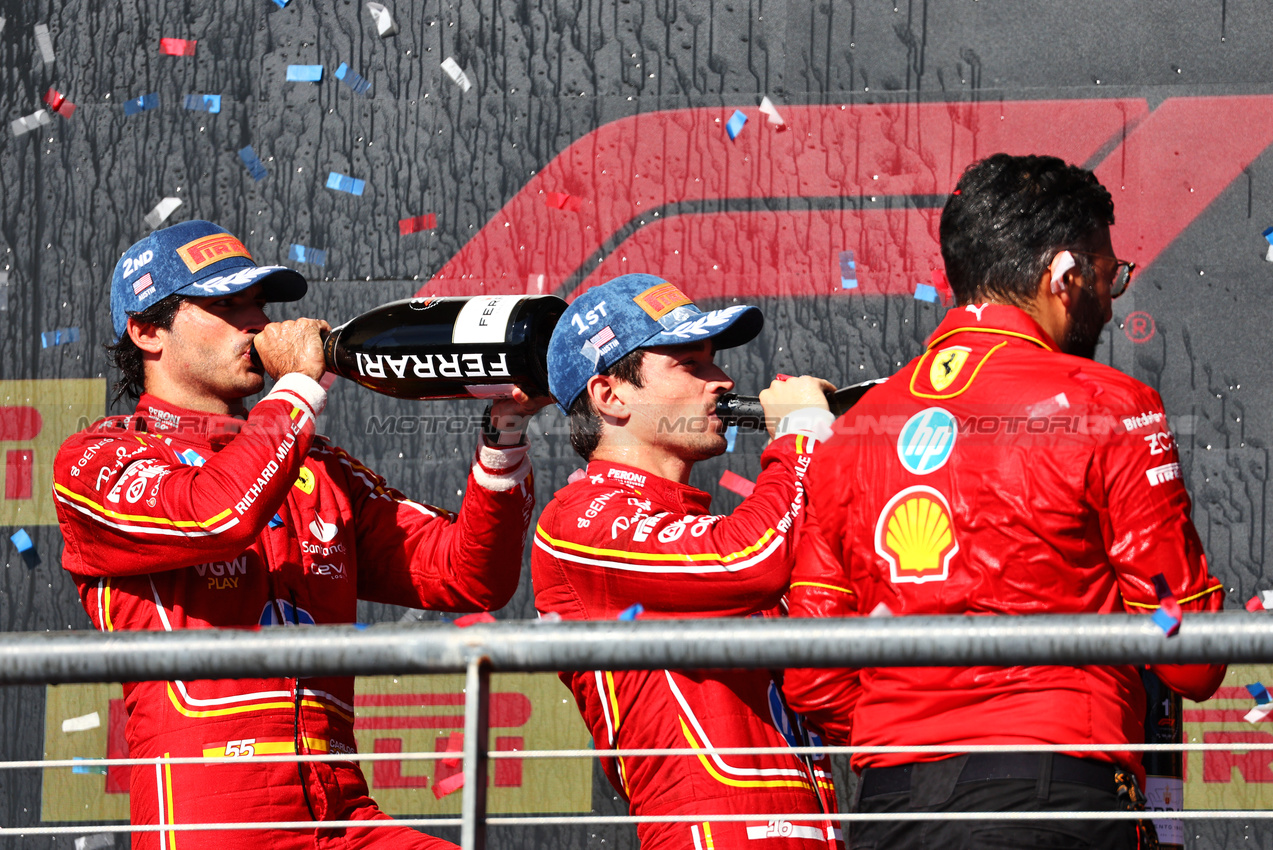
{"points": [[562, 201], [734, 482], [1254, 604], [58, 103], [942, 285], [454, 744], [471, 619], [414, 225], [176, 47], [449, 785]]}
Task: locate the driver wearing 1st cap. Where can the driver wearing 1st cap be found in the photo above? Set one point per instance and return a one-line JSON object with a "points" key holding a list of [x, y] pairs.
{"points": [[633, 364], [195, 513]]}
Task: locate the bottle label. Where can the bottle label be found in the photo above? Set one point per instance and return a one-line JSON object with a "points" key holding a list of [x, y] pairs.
{"points": [[429, 366], [1166, 794], [484, 319]]}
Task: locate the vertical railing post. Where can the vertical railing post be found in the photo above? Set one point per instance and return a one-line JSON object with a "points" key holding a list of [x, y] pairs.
{"points": [[477, 700]]}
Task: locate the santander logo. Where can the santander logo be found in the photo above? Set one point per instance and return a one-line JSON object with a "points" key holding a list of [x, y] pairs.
{"points": [[322, 531]]}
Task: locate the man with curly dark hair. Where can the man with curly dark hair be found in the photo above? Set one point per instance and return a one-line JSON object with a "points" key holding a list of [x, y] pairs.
{"points": [[1021, 478]]}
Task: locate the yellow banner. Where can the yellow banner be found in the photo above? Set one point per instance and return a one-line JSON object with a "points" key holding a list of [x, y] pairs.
{"points": [[394, 714], [1233, 778], [35, 417]]}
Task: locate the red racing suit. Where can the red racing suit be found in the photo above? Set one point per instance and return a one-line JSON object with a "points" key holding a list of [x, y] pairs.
{"points": [[621, 536], [175, 519], [996, 475]]}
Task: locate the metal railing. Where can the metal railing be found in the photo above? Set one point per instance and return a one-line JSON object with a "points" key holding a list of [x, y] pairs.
{"points": [[512, 646]]}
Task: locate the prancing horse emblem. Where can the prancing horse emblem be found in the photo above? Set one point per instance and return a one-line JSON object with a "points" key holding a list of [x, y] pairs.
{"points": [[946, 366]]}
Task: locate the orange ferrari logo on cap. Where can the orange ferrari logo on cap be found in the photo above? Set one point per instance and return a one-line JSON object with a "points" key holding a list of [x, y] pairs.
{"points": [[209, 249], [658, 301], [916, 535]]}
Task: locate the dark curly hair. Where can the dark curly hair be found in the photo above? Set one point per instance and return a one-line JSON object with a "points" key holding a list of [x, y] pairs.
{"points": [[127, 356], [585, 424], [1009, 216]]}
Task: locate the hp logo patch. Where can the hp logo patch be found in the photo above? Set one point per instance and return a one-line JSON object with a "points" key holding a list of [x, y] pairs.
{"points": [[926, 441]]}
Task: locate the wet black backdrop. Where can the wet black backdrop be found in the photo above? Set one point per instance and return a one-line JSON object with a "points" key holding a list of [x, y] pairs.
{"points": [[545, 74]]}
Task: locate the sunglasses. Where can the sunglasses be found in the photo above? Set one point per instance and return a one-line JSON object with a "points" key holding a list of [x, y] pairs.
{"points": [[1122, 272]]}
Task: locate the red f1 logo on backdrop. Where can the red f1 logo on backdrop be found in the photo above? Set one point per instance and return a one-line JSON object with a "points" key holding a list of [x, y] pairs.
{"points": [[769, 213]]}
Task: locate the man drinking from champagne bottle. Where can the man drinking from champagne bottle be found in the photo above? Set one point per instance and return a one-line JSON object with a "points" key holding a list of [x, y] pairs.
{"points": [[632, 363], [195, 513]]}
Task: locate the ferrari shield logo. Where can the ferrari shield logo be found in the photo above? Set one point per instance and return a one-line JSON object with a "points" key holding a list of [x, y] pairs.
{"points": [[946, 366]]}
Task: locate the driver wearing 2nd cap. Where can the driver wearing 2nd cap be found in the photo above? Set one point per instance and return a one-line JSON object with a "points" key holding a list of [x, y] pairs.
{"points": [[1026, 479], [195, 513], [632, 362]]}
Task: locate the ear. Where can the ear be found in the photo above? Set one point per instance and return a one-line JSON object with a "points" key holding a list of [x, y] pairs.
{"points": [[149, 338], [607, 395], [1061, 278]]}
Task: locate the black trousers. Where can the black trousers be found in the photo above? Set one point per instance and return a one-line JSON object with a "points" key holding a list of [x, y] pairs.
{"points": [[954, 785]]}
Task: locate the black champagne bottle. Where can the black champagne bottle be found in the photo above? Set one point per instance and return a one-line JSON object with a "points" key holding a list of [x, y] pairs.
{"points": [[443, 347]]}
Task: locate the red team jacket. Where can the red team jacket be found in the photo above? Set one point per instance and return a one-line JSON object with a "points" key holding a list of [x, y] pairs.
{"points": [[620, 536], [180, 520], [996, 475]]}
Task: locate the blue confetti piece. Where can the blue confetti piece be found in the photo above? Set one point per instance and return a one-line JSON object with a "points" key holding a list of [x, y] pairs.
{"points": [[282, 4], [925, 292], [303, 254], [190, 457], [357, 82], [848, 270], [1268, 234], [61, 336], [253, 162], [22, 540], [631, 612], [276, 521], [304, 73], [735, 125], [360, 626], [731, 434], [141, 104], [203, 103], [1166, 622], [344, 183], [84, 768], [1260, 693]]}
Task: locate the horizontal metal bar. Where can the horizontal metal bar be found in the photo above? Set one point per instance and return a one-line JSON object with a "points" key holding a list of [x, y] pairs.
{"points": [[614, 820], [403, 648], [520, 755]]}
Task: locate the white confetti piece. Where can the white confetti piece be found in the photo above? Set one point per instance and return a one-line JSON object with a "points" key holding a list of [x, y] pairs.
{"points": [[456, 73], [881, 610], [95, 842], [1258, 713], [82, 723], [45, 42], [770, 111], [383, 18], [27, 123], [1268, 255], [162, 210]]}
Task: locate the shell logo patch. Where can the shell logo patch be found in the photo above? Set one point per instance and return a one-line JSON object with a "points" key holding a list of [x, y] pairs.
{"points": [[946, 366], [927, 441], [916, 535]]}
